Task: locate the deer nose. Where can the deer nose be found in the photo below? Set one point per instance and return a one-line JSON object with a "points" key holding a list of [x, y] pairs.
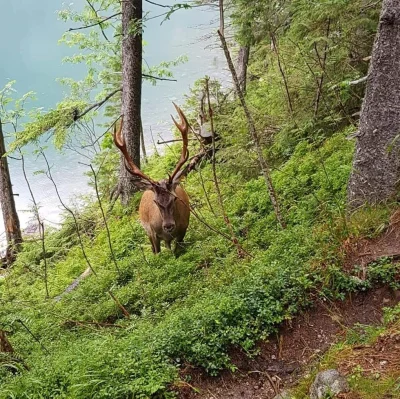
{"points": [[168, 227]]}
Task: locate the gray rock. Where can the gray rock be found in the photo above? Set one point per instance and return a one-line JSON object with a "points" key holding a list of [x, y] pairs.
{"points": [[328, 382]]}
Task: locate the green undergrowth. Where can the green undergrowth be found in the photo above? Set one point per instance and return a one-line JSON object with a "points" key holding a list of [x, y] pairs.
{"points": [[185, 310], [192, 309]]}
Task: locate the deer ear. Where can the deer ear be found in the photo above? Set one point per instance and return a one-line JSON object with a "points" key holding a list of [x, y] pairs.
{"points": [[142, 184]]}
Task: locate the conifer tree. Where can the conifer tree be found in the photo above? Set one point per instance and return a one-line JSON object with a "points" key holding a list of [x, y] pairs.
{"points": [[376, 166]]}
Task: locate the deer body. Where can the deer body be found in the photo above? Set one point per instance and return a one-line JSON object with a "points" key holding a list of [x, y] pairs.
{"points": [[164, 208], [154, 223]]}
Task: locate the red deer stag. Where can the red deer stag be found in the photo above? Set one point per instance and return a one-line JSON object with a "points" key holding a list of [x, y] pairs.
{"points": [[164, 208]]}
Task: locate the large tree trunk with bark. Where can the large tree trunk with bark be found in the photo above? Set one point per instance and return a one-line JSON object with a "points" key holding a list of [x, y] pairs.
{"points": [[131, 89], [241, 66], [7, 203], [376, 166]]}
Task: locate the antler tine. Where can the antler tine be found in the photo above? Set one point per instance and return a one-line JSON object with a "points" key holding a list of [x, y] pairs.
{"points": [[183, 127], [129, 164]]}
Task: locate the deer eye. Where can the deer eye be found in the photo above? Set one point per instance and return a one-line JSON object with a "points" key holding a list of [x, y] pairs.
{"points": [[159, 205]]}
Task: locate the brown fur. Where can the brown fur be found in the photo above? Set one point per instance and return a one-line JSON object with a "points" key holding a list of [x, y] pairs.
{"points": [[152, 219]]}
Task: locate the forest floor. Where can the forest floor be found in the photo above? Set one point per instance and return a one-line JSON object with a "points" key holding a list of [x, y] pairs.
{"points": [[303, 342]]}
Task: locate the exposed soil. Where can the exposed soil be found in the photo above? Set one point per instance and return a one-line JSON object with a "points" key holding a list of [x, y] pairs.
{"points": [[383, 357], [364, 251], [349, 395], [282, 359]]}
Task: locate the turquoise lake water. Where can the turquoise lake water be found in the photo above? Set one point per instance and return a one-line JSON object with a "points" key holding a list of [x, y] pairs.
{"points": [[31, 56]]}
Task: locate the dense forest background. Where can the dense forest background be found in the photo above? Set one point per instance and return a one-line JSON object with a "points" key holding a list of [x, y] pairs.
{"points": [[87, 311]]}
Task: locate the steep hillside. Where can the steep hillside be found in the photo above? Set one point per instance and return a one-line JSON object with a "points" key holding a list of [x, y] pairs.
{"points": [[139, 324]]}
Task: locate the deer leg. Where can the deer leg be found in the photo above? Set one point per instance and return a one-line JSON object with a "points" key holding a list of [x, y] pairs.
{"points": [[152, 244], [155, 244], [168, 244], [179, 244]]}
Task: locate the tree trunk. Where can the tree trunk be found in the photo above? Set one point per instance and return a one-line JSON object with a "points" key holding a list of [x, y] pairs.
{"points": [[241, 66], [376, 164], [131, 89], [10, 216]]}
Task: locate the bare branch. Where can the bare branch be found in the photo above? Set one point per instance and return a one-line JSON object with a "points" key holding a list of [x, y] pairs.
{"points": [[39, 221], [252, 129], [154, 143], [33, 335], [97, 105], [119, 304], [103, 134], [227, 221], [104, 219], [172, 141], [95, 12], [358, 81], [142, 144], [323, 67], [96, 23], [281, 70], [69, 210], [145, 75], [157, 4]]}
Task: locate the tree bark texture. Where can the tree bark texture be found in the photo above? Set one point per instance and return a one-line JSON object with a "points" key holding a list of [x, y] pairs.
{"points": [[10, 216], [131, 90], [241, 66], [376, 165]]}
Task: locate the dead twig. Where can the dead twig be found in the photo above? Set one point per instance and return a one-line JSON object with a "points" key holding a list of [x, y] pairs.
{"points": [[228, 223], [69, 210], [123, 310], [97, 16], [39, 221], [282, 72], [253, 131], [104, 217], [142, 144], [95, 23], [322, 62], [33, 335]]}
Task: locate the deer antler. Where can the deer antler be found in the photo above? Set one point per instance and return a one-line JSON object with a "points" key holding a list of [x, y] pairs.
{"points": [[183, 127], [129, 164]]}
